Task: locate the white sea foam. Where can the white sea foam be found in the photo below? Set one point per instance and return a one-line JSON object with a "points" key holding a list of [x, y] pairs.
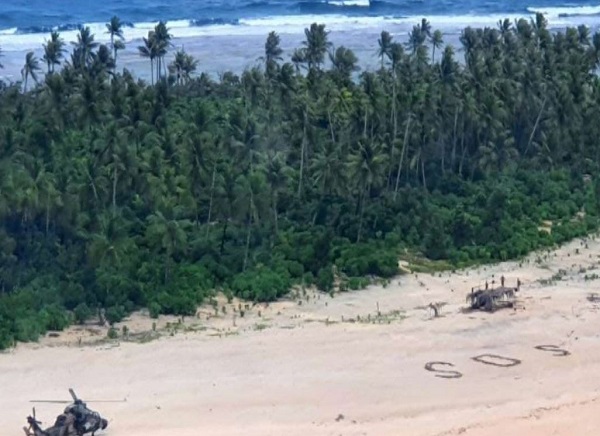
{"points": [[357, 3], [11, 40], [11, 31], [566, 11]]}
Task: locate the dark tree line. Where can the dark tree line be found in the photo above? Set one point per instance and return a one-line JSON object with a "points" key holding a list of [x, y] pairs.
{"points": [[119, 194]]}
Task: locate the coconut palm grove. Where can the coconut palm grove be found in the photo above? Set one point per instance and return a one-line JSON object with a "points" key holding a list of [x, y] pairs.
{"points": [[118, 194]]}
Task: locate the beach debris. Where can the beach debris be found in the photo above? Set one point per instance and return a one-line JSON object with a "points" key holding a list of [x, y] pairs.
{"points": [[490, 298], [593, 297], [436, 307]]}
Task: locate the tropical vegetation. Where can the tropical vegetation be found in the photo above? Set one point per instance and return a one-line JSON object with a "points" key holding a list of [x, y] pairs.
{"points": [[116, 194]]}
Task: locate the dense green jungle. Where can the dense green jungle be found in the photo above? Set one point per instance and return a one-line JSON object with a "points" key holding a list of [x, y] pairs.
{"points": [[117, 194]]}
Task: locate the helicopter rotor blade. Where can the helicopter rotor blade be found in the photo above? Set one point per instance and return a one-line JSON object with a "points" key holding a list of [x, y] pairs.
{"points": [[124, 400], [50, 401]]}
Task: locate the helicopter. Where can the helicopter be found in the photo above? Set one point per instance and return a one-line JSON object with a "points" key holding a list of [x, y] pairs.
{"points": [[76, 420]]}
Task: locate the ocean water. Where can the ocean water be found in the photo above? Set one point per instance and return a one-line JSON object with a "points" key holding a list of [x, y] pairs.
{"points": [[235, 29]]}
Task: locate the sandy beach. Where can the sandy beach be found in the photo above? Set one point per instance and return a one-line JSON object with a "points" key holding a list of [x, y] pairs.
{"points": [[320, 365]]}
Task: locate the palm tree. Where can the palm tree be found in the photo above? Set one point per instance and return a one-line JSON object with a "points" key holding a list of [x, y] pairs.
{"points": [[84, 47], [272, 53], [103, 61], [315, 46], [416, 38], [1, 66], [425, 28], [437, 40], [343, 62], [119, 45], [115, 29], [30, 69], [183, 66], [53, 51], [149, 50], [298, 58], [385, 46], [162, 39], [366, 167]]}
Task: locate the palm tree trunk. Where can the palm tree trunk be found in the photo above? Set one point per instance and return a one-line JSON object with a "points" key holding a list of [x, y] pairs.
{"points": [[47, 214], [535, 126], [402, 156], [247, 250], [115, 177], [302, 151], [210, 203], [463, 153], [223, 236], [167, 262], [453, 159], [442, 152], [394, 125], [112, 45], [330, 126], [93, 185], [361, 215], [275, 213]]}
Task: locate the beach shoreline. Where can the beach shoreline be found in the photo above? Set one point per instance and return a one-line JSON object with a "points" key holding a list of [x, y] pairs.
{"points": [[313, 364]]}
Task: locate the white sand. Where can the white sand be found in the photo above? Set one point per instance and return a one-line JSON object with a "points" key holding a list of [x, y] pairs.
{"points": [[290, 372]]}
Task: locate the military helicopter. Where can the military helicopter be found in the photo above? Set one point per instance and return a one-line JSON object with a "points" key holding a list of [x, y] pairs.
{"points": [[76, 420]]}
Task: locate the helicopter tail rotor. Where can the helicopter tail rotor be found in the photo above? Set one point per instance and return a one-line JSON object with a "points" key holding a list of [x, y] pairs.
{"points": [[72, 392]]}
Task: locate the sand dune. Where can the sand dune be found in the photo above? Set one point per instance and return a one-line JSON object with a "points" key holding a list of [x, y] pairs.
{"points": [[332, 366]]}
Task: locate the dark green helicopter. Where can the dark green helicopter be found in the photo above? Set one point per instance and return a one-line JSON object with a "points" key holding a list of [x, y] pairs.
{"points": [[76, 420]]}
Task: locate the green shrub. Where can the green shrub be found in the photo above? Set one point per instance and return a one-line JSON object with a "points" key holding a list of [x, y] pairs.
{"points": [[356, 283], [368, 259], [154, 309], [325, 279], [112, 333], [55, 318], [115, 314], [82, 313], [261, 284]]}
